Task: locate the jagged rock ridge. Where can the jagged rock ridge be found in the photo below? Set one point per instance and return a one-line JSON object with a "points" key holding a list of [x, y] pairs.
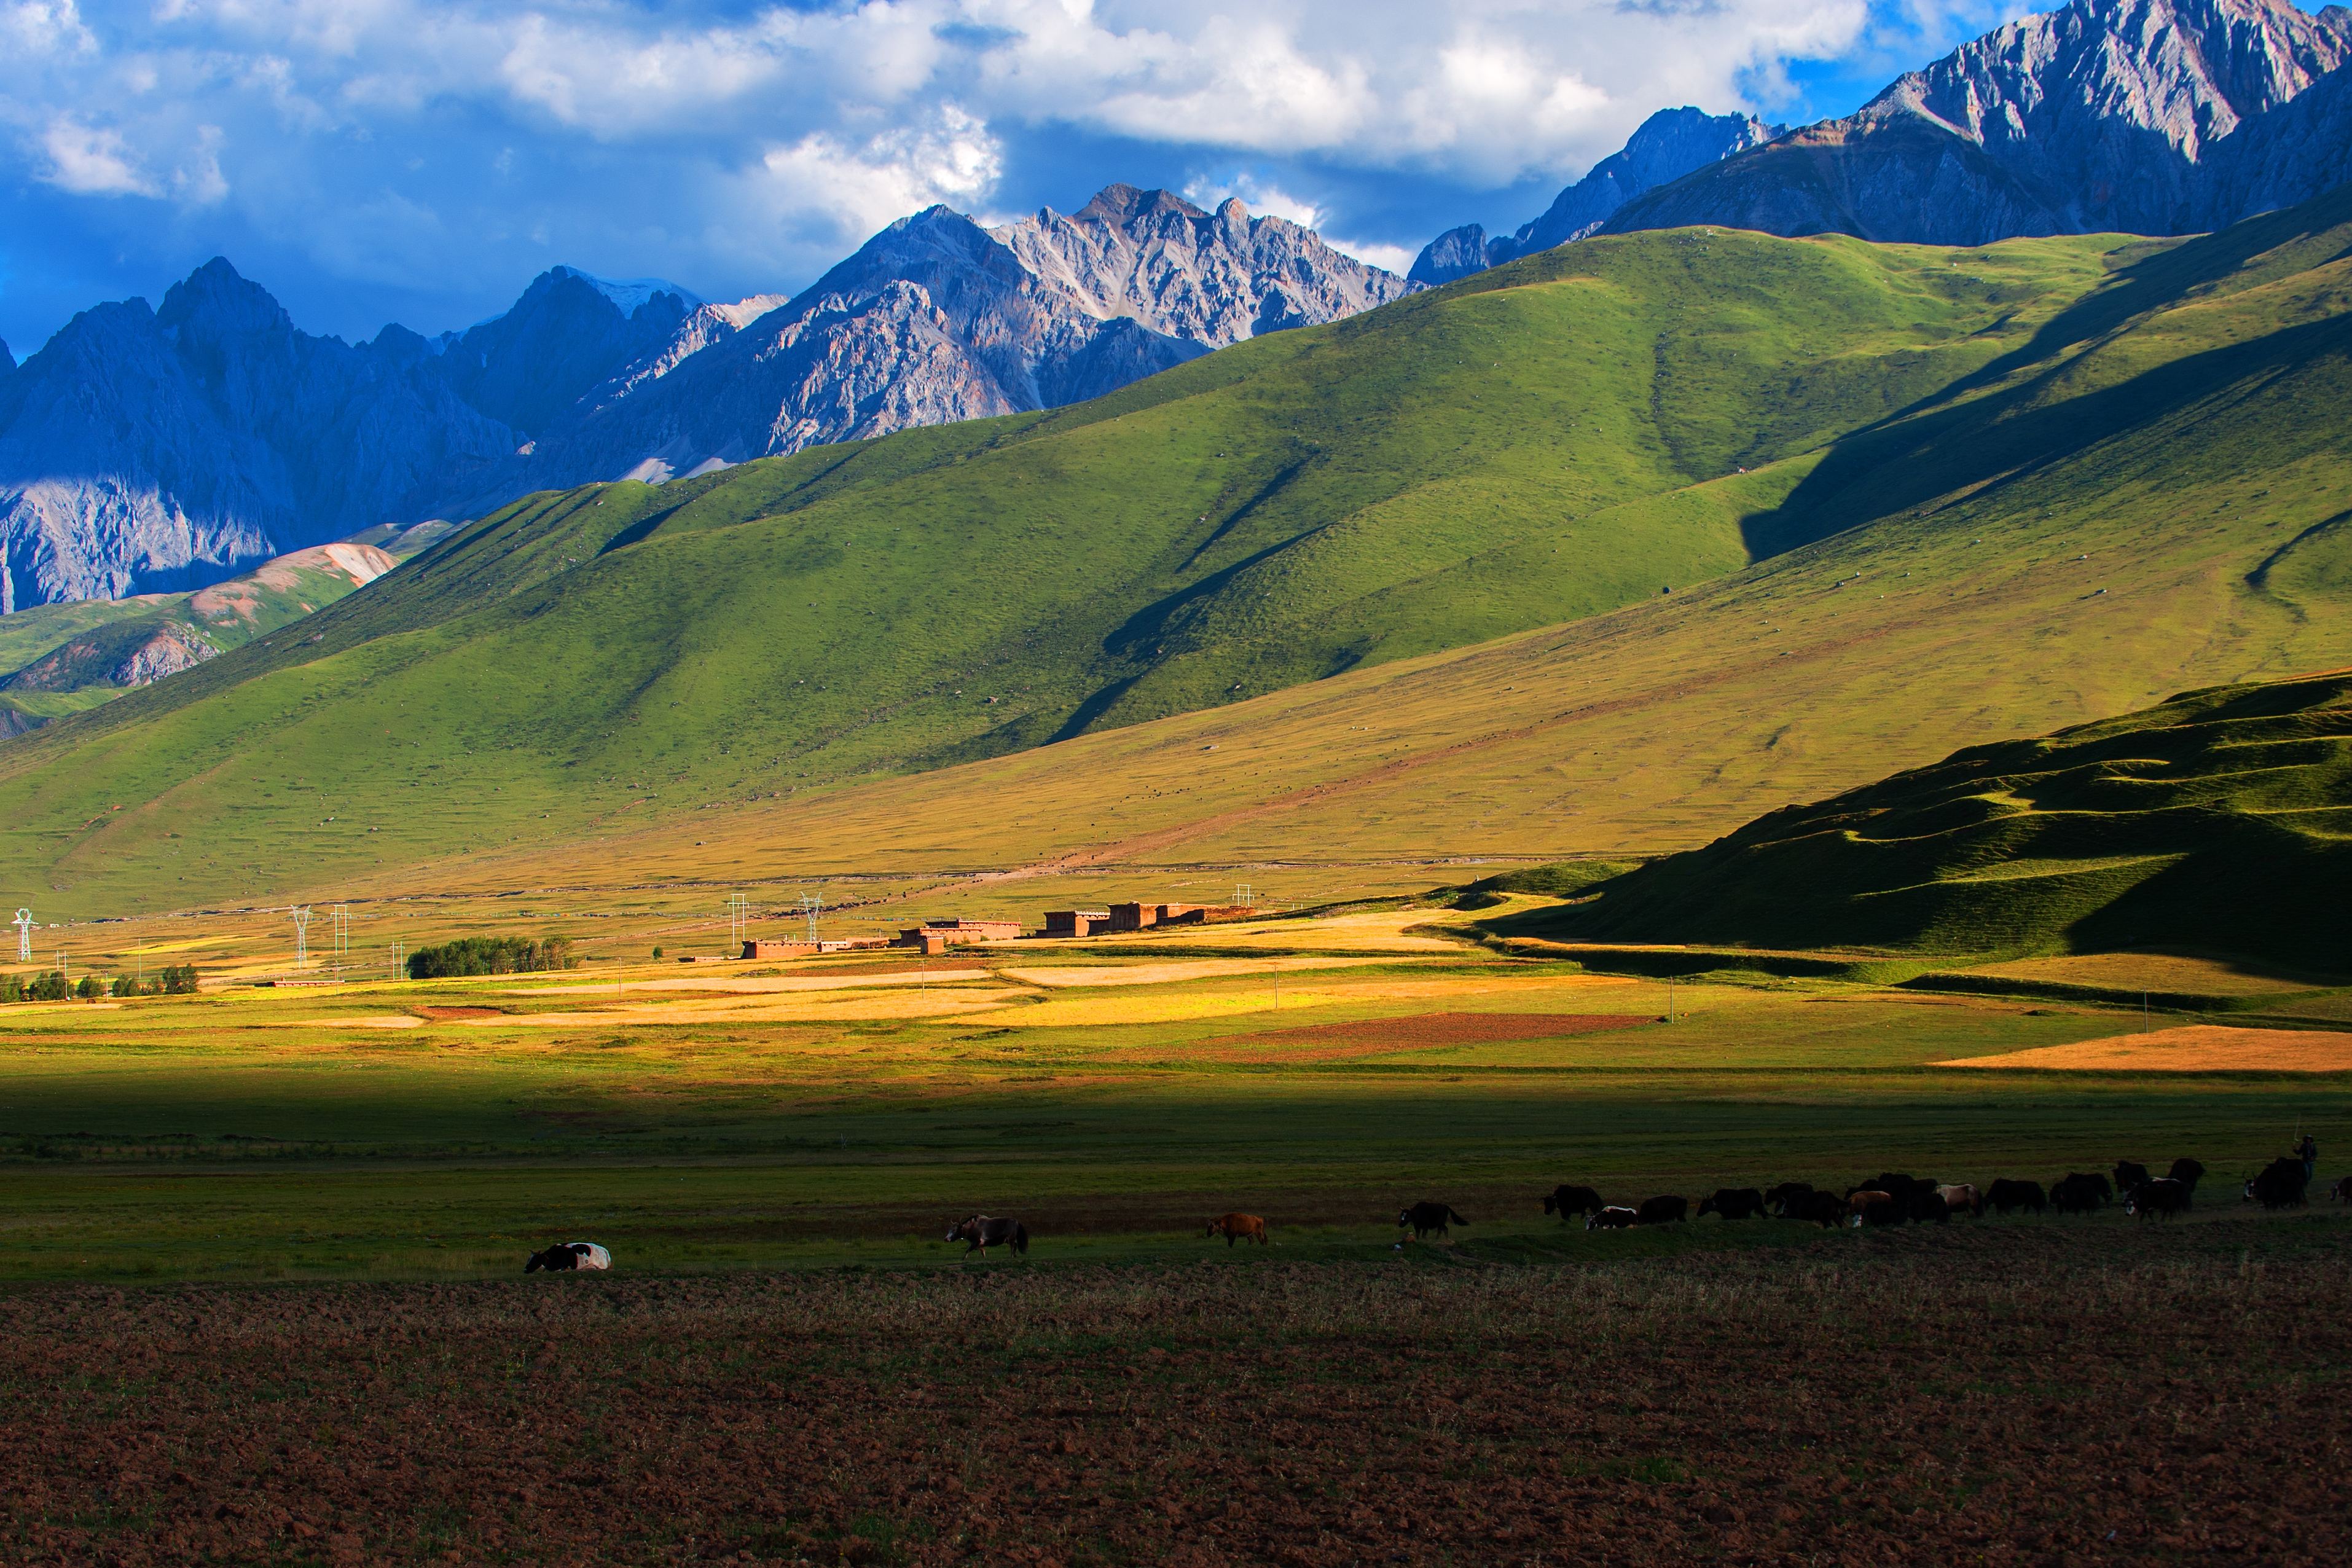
{"points": [[144, 451], [2140, 116], [159, 450], [937, 319]]}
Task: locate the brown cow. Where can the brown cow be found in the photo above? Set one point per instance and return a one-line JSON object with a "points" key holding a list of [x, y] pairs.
{"points": [[1237, 1227], [1858, 1201], [1961, 1198]]}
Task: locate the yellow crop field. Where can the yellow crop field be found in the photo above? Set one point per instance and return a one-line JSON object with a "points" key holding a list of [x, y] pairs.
{"points": [[2193, 1047]]}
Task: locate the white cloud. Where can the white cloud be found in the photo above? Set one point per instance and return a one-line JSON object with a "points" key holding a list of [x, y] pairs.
{"points": [[745, 146], [860, 186], [1396, 259], [91, 160]]}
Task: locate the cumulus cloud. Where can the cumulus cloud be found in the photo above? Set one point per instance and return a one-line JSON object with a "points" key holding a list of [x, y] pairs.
{"points": [[91, 161], [459, 145]]}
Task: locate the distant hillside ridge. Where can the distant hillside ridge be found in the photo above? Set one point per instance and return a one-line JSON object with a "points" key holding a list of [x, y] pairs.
{"points": [[160, 636], [2157, 117], [2218, 820], [1666, 146]]}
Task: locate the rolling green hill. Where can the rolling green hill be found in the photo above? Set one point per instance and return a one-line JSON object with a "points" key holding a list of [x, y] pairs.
{"points": [[1553, 441], [2220, 820], [71, 656]]}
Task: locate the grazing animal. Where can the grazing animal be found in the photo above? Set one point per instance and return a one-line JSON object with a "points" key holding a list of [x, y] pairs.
{"points": [[1929, 1208], [1733, 1202], [2279, 1187], [1959, 1198], [1789, 1196], [1861, 1198], [1896, 1185], [1662, 1211], [1426, 1217], [1235, 1227], [2079, 1193], [1825, 1209], [568, 1255], [1881, 1211], [2158, 1199], [2187, 1172], [1565, 1200], [2129, 1176], [982, 1231], [2342, 1191], [2005, 1194], [1616, 1216]]}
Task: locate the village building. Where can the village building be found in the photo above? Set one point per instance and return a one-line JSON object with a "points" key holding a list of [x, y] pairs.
{"points": [[1076, 922]]}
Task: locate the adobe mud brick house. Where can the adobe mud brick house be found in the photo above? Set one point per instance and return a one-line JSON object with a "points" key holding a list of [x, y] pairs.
{"points": [[935, 937], [1076, 922]]}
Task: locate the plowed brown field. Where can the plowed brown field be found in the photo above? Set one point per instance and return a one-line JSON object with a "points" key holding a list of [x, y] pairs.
{"points": [[2190, 1047], [2011, 1395]]}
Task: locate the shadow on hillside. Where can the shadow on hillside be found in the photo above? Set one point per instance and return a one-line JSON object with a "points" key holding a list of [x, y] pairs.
{"points": [[1894, 467]]}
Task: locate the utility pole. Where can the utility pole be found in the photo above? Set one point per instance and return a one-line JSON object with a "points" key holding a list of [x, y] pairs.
{"points": [[302, 914]]}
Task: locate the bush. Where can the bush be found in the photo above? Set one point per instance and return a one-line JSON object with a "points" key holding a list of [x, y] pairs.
{"points": [[49, 987], [123, 987], [180, 980], [490, 955], [89, 990], [658, 953]]}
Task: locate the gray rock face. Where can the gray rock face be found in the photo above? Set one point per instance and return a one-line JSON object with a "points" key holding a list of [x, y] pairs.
{"points": [[2142, 116], [1668, 145], [937, 319], [154, 451]]}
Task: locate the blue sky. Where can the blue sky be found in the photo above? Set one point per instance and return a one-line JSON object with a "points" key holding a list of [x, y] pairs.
{"points": [[419, 160]]}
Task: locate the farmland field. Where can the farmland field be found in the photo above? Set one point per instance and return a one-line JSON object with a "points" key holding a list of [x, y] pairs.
{"points": [[1113, 1092], [260, 1296]]}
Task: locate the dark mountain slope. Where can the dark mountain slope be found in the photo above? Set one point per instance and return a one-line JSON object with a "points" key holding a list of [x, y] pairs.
{"points": [[2220, 819]]}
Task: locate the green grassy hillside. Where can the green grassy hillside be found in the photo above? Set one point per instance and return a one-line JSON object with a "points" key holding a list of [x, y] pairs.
{"points": [[1932, 438], [2220, 820], [1560, 440], [66, 657]]}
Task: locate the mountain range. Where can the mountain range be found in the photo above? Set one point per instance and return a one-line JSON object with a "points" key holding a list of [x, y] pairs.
{"points": [[145, 450], [156, 450], [2157, 117]]}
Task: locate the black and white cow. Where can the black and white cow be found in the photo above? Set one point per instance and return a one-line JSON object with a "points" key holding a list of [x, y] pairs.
{"points": [[565, 1256]]}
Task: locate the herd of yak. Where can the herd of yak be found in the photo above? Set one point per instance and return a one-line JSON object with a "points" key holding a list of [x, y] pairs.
{"points": [[1890, 1198], [1893, 1198]]}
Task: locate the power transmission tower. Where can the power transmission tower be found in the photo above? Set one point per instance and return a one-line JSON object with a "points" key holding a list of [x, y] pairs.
{"points": [[24, 924], [810, 904], [397, 958], [1242, 896], [301, 935], [739, 915], [342, 918]]}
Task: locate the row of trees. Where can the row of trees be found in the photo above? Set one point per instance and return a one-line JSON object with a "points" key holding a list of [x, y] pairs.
{"points": [[177, 980], [490, 955]]}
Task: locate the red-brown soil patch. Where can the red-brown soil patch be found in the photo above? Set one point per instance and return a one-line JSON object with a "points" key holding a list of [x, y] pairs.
{"points": [[451, 1015], [1441, 1030], [2022, 1396]]}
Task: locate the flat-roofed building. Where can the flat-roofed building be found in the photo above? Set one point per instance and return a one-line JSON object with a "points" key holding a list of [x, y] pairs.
{"points": [[1076, 922]]}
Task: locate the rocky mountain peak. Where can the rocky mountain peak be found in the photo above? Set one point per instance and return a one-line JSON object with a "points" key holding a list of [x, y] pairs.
{"points": [[1121, 204], [2133, 115], [214, 302]]}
